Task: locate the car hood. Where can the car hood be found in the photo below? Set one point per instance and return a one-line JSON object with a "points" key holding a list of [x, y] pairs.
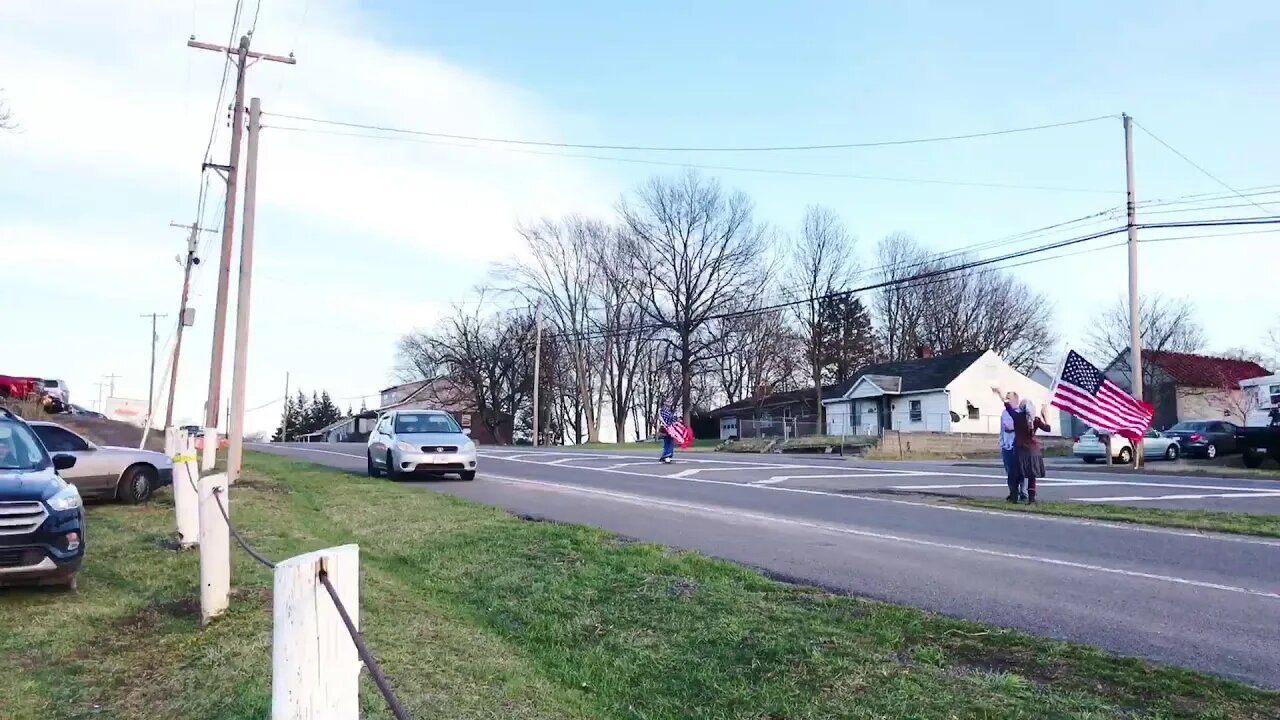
{"points": [[28, 485], [160, 460], [434, 438]]}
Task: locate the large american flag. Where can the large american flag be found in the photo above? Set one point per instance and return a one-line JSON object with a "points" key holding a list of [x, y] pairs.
{"points": [[1085, 392], [676, 428]]}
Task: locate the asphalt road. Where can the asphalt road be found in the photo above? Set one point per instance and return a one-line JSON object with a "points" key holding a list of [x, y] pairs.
{"points": [[1203, 601]]}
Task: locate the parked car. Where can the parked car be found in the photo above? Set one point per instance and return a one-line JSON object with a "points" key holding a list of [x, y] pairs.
{"points": [[1257, 444], [74, 409], [427, 442], [115, 473], [41, 515], [56, 389], [1205, 438], [1155, 445]]}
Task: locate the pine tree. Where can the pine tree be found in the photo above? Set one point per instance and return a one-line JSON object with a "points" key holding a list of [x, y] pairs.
{"points": [[848, 341]]}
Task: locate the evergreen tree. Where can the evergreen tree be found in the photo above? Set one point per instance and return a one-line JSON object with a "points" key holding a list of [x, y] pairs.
{"points": [[848, 341], [291, 418]]}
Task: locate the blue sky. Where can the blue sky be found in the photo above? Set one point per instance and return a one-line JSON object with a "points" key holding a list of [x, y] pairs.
{"points": [[361, 239]]}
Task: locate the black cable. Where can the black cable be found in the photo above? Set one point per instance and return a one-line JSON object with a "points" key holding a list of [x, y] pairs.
{"points": [[699, 166], [254, 25], [244, 544], [1193, 164], [366, 656], [1266, 220], [647, 148]]}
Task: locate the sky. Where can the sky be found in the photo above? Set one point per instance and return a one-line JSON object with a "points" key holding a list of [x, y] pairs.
{"points": [[361, 239]]}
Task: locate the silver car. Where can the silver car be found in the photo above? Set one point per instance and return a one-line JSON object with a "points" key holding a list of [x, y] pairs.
{"points": [[425, 442], [114, 473], [1155, 445]]}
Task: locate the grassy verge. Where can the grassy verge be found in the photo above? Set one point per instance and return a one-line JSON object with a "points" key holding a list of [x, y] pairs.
{"points": [[1207, 520], [478, 614]]}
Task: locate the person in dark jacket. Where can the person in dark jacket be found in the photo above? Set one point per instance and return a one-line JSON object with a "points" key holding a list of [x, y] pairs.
{"points": [[1030, 457]]}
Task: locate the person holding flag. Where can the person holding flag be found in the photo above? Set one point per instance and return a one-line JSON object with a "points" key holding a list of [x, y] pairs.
{"points": [[674, 432]]}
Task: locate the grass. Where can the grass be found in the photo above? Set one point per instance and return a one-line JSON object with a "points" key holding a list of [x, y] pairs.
{"points": [[1206, 520], [475, 613]]}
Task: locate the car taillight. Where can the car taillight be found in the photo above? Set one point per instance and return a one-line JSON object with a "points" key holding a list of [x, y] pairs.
{"points": [[1195, 437], [1076, 439]]}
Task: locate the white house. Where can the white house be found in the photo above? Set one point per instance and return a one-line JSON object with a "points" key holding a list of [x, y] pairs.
{"points": [[944, 393], [1261, 398]]}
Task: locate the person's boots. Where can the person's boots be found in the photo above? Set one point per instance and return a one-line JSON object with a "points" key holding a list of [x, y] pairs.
{"points": [[1031, 495]]}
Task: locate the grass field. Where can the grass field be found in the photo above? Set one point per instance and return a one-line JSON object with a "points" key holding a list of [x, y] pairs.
{"points": [[1207, 520], [475, 613]]}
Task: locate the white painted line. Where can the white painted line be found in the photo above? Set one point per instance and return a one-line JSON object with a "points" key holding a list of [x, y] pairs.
{"points": [[1137, 498], [685, 473], [769, 481], [846, 530], [1040, 483], [852, 476]]}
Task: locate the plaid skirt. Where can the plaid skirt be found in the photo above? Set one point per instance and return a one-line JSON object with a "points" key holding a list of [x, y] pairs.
{"points": [[1031, 462]]}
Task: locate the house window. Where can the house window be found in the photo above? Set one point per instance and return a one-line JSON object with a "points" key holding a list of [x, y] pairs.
{"points": [[1275, 395], [916, 414], [974, 412]]}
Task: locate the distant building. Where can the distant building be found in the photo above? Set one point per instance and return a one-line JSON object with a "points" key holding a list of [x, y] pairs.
{"points": [[451, 396], [1186, 386]]}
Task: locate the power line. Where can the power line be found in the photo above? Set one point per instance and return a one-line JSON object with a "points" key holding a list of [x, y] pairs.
{"points": [[652, 148], [1193, 164], [1210, 235], [1268, 220], [254, 25], [702, 166]]}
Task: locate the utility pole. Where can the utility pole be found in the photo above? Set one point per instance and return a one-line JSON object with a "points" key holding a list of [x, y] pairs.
{"points": [[151, 377], [183, 319], [100, 386], [240, 366], [111, 380], [537, 373], [284, 422], [242, 54], [1135, 329]]}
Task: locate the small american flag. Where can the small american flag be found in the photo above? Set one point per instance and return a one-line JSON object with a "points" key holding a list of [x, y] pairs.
{"points": [[676, 428], [1085, 392]]}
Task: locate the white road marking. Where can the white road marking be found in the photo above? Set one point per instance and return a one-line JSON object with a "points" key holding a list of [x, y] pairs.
{"points": [[1136, 498], [1127, 527], [845, 530], [850, 475], [684, 473], [1041, 482]]}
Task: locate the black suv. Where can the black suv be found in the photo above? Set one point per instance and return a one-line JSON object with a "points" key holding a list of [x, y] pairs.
{"points": [[41, 516]]}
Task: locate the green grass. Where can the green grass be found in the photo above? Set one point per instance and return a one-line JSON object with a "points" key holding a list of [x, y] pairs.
{"points": [[1206, 520], [477, 614]]}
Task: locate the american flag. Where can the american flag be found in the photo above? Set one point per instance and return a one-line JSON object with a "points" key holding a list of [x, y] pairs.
{"points": [[676, 428], [1085, 392]]}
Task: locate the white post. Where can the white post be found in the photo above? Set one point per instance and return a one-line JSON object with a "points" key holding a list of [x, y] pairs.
{"points": [[170, 441], [315, 669], [186, 502], [215, 547], [209, 455]]}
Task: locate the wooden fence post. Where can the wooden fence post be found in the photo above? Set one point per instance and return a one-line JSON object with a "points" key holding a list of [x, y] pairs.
{"points": [[215, 548], [315, 668], [186, 502]]}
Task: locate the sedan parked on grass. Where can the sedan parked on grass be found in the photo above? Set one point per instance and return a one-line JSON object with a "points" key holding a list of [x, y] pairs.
{"points": [[1155, 444], [424, 442], [114, 473], [1205, 438]]}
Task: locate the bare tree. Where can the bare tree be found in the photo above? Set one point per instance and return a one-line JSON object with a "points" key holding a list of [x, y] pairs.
{"points": [[822, 263], [1165, 324], [758, 353], [622, 326], [7, 121], [564, 274], [698, 252], [490, 358], [656, 382], [936, 301]]}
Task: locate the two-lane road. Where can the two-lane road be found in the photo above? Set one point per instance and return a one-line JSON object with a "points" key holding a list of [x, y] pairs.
{"points": [[1204, 601]]}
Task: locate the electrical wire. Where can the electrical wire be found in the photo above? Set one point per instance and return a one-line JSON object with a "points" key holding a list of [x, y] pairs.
{"points": [[652, 148], [254, 25], [700, 166], [1195, 165], [1209, 235]]}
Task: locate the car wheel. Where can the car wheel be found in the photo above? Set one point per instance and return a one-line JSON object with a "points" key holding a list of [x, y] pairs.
{"points": [[468, 475], [1125, 456], [392, 472], [137, 484], [1090, 460], [1171, 453], [372, 469], [1253, 459], [1211, 451]]}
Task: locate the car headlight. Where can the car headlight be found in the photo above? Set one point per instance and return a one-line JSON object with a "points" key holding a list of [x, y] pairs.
{"points": [[68, 498], [469, 447], [406, 447]]}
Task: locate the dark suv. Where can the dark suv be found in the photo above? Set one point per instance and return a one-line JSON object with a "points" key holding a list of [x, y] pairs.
{"points": [[41, 516]]}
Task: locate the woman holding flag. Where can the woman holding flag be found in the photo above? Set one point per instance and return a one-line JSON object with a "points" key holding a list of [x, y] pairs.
{"points": [[674, 432]]}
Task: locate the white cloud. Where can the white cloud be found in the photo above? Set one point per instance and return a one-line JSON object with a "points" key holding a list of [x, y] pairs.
{"points": [[359, 239]]}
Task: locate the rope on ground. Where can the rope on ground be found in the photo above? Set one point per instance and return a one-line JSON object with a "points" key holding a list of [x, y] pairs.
{"points": [[366, 656], [253, 552]]}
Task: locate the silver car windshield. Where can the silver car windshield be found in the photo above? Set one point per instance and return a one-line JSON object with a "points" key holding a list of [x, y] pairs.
{"points": [[423, 423]]}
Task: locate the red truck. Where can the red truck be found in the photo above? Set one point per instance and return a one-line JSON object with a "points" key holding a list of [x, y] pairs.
{"points": [[20, 388]]}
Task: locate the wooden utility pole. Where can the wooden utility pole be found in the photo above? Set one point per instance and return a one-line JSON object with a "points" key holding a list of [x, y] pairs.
{"points": [[183, 320], [537, 372], [242, 55], [284, 422], [1135, 329], [240, 365], [151, 377]]}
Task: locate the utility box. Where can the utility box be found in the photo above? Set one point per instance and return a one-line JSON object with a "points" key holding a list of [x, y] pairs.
{"points": [[188, 317]]}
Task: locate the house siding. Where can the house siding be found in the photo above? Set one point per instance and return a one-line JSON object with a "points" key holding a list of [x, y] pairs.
{"points": [[1208, 404], [973, 386]]}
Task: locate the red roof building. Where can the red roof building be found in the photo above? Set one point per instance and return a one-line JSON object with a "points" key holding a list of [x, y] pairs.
{"points": [[1186, 386], [1204, 371]]}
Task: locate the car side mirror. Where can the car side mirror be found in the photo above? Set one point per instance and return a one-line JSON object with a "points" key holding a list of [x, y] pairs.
{"points": [[466, 431], [64, 462]]}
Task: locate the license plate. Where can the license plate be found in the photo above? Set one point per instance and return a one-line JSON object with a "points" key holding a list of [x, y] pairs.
{"points": [[440, 460]]}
